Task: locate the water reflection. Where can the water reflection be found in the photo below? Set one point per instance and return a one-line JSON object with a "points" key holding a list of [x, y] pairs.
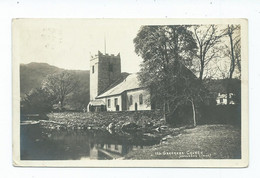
{"points": [[38, 143]]}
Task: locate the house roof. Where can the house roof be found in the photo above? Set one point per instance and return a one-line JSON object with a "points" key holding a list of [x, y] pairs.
{"points": [[129, 83], [97, 102]]}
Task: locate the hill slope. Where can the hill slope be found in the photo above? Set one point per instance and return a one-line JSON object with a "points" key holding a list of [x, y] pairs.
{"points": [[32, 75]]}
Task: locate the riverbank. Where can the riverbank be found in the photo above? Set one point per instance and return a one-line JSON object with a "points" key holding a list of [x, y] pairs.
{"points": [[144, 125], [201, 142], [140, 120]]}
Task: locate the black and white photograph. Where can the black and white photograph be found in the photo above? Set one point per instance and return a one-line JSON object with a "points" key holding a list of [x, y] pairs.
{"points": [[130, 92]]}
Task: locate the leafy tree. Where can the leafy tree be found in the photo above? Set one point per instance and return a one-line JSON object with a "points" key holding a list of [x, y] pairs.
{"points": [[193, 92], [167, 53], [60, 85], [36, 101], [79, 99]]}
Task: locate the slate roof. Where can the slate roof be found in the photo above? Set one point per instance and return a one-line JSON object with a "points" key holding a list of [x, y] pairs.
{"points": [[129, 83], [97, 102]]}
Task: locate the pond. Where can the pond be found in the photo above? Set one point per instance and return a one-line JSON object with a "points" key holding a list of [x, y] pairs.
{"points": [[39, 143]]}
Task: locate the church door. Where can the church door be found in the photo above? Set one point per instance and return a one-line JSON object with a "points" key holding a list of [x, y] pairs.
{"points": [[136, 106]]}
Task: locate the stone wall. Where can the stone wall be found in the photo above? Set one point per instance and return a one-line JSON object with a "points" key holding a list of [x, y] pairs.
{"points": [[103, 119], [129, 115]]}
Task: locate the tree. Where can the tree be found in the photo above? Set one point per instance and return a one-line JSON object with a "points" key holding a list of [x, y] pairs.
{"points": [[60, 85], [193, 92], [167, 53], [37, 101], [79, 99], [207, 37], [233, 52]]}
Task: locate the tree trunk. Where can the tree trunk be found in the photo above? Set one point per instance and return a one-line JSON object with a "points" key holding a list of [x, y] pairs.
{"points": [[201, 64], [193, 113], [228, 91], [232, 64], [168, 107], [201, 74], [164, 110], [62, 102]]}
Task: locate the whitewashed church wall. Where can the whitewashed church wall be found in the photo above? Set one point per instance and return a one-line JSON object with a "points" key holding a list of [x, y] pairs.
{"points": [[135, 95], [112, 103]]}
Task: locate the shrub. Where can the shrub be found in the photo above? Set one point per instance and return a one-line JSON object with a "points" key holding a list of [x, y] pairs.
{"points": [[37, 101]]}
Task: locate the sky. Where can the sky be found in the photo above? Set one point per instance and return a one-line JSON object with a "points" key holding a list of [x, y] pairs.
{"points": [[69, 43]]}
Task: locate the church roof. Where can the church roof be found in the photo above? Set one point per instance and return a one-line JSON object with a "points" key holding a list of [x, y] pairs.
{"points": [[129, 83], [97, 102]]}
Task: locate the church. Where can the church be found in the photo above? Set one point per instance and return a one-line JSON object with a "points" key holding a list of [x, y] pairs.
{"points": [[111, 90]]}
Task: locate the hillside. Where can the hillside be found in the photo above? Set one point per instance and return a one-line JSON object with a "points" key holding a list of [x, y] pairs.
{"points": [[32, 75]]}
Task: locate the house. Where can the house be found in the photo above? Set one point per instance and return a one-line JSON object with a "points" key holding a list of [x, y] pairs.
{"points": [[222, 99], [112, 90]]}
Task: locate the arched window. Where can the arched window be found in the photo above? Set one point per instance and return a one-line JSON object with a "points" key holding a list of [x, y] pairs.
{"points": [[116, 102], [140, 99], [131, 100]]}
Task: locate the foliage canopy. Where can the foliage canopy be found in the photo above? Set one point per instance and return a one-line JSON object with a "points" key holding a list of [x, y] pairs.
{"points": [[167, 53]]}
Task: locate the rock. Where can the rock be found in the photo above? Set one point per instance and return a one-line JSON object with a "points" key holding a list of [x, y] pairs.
{"points": [[95, 128], [149, 135], [189, 127], [129, 127], [167, 137], [176, 133], [158, 129], [149, 124], [163, 127], [162, 121], [111, 126], [110, 131], [164, 139], [182, 128], [176, 129]]}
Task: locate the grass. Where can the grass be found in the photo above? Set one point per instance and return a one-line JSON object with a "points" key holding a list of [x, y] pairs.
{"points": [[201, 142]]}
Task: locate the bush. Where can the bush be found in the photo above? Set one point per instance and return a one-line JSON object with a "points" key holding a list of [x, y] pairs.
{"points": [[181, 116], [36, 102], [221, 114]]}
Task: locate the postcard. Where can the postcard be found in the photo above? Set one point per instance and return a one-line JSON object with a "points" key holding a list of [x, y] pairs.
{"points": [[130, 92]]}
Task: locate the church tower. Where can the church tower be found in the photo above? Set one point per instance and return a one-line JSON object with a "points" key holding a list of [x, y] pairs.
{"points": [[104, 70]]}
